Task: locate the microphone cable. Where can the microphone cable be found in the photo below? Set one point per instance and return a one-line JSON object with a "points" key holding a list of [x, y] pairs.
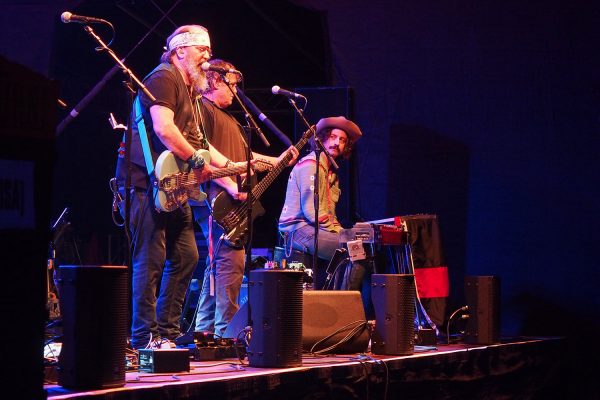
{"points": [[464, 316]]}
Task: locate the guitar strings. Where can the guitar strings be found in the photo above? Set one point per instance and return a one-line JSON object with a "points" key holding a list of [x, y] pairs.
{"points": [[242, 209], [233, 218]]}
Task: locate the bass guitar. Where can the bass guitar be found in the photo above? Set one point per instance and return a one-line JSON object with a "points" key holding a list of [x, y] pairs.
{"points": [[232, 215], [175, 182]]}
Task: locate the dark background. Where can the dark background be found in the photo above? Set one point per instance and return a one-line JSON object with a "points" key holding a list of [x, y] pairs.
{"points": [[484, 113]]}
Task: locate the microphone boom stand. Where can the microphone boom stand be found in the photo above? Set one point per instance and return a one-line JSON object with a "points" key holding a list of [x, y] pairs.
{"points": [[318, 149], [264, 118], [252, 126], [142, 87], [83, 102]]}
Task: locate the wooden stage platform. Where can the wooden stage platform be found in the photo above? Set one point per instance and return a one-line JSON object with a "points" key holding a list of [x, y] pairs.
{"points": [[521, 368]]}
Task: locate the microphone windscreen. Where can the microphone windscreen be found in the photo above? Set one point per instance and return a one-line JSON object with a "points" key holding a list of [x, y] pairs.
{"points": [[65, 17]]}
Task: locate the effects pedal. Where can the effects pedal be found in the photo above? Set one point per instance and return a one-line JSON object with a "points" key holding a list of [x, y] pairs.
{"points": [[425, 337], [204, 346], [212, 353], [164, 360]]}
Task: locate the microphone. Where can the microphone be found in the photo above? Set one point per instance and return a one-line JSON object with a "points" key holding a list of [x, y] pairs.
{"points": [[206, 66], [292, 95], [263, 117], [67, 17]]}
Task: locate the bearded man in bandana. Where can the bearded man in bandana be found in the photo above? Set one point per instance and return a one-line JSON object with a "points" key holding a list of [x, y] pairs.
{"points": [[164, 251]]}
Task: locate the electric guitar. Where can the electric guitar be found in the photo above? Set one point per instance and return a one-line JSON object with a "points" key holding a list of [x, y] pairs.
{"points": [[175, 182], [232, 215]]}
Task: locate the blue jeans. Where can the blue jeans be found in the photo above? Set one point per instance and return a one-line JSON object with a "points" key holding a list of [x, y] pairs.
{"points": [[349, 278], [215, 312], [164, 257], [303, 239]]}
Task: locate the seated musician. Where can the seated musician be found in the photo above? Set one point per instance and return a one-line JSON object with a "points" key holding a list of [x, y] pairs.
{"points": [[297, 220]]}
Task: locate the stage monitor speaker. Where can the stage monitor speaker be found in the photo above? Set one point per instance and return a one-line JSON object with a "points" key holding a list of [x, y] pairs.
{"points": [[94, 309], [482, 294], [276, 312], [328, 317], [238, 323], [393, 298]]}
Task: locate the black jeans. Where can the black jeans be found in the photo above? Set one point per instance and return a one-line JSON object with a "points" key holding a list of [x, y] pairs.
{"points": [[164, 256]]}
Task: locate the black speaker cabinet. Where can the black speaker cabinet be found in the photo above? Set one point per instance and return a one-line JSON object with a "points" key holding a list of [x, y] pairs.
{"points": [[238, 323], [276, 312], [27, 170], [393, 298], [94, 307], [330, 315], [482, 294]]}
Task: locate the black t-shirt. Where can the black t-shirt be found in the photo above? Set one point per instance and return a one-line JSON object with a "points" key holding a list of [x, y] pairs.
{"points": [[223, 131], [166, 84], [225, 134]]}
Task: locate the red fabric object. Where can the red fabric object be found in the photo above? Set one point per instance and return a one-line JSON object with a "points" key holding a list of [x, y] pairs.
{"points": [[432, 282]]}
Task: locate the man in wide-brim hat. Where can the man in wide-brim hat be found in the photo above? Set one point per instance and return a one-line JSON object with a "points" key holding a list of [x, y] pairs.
{"points": [[297, 220], [326, 125]]}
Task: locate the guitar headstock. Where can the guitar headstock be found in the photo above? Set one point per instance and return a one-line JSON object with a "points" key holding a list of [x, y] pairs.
{"points": [[261, 165], [308, 133]]}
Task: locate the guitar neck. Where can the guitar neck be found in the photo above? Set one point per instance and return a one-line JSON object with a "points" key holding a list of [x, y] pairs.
{"points": [[188, 178], [260, 188], [223, 172]]}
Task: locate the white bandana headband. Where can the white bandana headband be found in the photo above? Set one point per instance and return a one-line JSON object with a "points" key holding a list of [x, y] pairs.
{"points": [[198, 38]]}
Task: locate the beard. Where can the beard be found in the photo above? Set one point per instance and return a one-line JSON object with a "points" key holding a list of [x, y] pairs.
{"points": [[197, 77], [199, 81]]}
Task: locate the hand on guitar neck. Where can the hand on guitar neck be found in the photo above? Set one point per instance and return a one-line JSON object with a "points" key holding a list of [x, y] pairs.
{"points": [[232, 215], [291, 152], [289, 156]]}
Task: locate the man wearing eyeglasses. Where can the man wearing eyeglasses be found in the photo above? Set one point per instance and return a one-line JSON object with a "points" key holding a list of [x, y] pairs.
{"points": [[298, 218], [164, 251], [224, 272]]}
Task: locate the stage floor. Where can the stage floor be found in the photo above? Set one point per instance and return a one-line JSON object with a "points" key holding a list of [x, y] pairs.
{"points": [[515, 368]]}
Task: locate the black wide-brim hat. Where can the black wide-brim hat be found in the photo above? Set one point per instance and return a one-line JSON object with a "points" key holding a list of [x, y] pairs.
{"points": [[351, 129]]}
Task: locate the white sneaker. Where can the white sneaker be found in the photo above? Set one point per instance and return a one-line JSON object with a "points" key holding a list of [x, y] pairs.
{"points": [[162, 344]]}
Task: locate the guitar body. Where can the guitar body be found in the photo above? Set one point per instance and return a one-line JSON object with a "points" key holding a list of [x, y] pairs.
{"points": [[172, 191], [236, 228]]}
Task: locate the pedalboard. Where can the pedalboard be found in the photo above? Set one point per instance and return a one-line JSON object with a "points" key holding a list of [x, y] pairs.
{"points": [[204, 346], [211, 353]]}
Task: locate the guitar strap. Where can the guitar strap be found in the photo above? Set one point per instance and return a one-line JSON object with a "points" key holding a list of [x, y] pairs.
{"points": [[139, 120], [210, 256]]}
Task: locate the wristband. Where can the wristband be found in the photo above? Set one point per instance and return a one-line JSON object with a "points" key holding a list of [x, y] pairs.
{"points": [[196, 161]]}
